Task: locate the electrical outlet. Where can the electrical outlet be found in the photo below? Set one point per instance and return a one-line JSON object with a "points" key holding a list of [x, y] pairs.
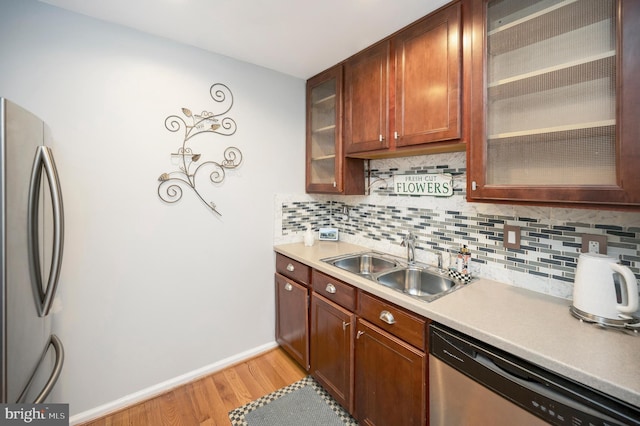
{"points": [[592, 243], [511, 237]]}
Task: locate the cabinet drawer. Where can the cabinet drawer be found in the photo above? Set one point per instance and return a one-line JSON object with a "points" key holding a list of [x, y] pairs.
{"points": [[293, 269], [335, 290], [407, 326]]}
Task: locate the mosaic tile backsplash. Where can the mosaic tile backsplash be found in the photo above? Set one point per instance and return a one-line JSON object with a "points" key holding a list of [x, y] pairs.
{"points": [[551, 238]]}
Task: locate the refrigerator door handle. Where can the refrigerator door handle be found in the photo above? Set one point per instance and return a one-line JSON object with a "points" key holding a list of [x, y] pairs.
{"points": [[53, 377], [44, 295]]}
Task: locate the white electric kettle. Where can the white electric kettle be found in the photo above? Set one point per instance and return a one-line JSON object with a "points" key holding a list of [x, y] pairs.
{"points": [[604, 291]]}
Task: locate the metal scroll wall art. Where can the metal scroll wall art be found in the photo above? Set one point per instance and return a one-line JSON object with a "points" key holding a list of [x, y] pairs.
{"points": [[190, 164]]}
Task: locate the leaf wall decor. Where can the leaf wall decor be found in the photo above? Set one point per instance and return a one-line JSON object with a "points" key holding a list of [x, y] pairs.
{"points": [[171, 183]]}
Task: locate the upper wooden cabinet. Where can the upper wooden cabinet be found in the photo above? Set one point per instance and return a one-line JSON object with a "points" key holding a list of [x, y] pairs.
{"points": [[428, 71], [406, 91], [367, 100], [327, 169], [555, 102]]}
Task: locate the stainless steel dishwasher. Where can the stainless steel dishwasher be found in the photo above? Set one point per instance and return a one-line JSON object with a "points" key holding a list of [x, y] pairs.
{"points": [[472, 383]]}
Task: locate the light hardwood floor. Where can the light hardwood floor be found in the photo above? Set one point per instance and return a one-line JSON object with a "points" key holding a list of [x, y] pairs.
{"points": [[207, 401]]}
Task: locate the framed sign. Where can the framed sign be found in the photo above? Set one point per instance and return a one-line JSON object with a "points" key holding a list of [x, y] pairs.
{"points": [[436, 185], [328, 234]]}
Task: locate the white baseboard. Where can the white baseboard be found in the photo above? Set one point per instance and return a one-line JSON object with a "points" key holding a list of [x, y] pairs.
{"points": [[160, 388]]}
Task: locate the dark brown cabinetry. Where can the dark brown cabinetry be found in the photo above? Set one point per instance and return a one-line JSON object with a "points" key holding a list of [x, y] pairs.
{"points": [[367, 100], [332, 336], [332, 331], [369, 354], [428, 72], [390, 379], [406, 91], [292, 308], [555, 103], [327, 169], [391, 365]]}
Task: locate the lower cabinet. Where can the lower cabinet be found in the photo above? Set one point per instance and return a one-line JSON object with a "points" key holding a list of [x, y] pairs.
{"points": [[368, 354], [332, 335], [292, 319], [390, 379]]}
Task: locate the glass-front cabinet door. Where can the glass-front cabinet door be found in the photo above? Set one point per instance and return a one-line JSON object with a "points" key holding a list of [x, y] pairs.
{"points": [[327, 169], [551, 94]]}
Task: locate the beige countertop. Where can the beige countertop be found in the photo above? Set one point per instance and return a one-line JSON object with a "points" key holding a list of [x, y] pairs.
{"points": [[533, 326]]}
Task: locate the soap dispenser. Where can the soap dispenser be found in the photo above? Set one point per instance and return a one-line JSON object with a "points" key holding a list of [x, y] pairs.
{"points": [[309, 237]]}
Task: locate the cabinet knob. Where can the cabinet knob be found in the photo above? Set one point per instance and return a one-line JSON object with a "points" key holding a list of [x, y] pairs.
{"points": [[387, 317], [288, 287], [290, 267], [330, 288]]}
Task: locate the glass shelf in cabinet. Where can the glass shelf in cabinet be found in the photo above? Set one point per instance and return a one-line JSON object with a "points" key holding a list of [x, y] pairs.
{"points": [[326, 102], [526, 26], [324, 129], [324, 157], [604, 127], [578, 71]]}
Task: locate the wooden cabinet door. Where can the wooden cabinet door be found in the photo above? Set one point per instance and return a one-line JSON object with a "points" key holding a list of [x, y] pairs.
{"points": [[324, 132], [327, 169], [555, 103], [367, 100], [428, 68], [390, 379], [332, 333], [292, 319]]}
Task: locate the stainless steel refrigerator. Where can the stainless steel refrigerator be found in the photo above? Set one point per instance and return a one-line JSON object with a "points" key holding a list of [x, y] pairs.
{"points": [[31, 235]]}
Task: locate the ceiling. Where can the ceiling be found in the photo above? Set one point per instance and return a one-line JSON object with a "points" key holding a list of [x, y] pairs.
{"points": [[295, 37]]}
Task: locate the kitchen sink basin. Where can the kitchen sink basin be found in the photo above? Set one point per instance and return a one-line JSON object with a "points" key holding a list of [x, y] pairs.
{"points": [[414, 279], [364, 263]]}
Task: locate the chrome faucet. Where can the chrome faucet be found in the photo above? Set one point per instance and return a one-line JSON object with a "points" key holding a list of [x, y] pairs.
{"points": [[409, 241], [437, 253]]}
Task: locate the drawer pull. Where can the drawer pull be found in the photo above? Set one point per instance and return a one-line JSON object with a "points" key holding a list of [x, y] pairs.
{"points": [[387, 317], [290, 267], [345, 325], [288, 287], [330, 288], [360, 333]]}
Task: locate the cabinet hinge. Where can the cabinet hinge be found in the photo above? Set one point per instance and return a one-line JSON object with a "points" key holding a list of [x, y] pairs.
{"points": [[395, 135]]}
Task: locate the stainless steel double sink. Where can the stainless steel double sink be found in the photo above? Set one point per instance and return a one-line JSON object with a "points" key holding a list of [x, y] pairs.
{"points": [[415, 279]]}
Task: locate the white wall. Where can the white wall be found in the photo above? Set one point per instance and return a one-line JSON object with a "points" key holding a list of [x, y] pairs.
{"points": [[151, 291]]}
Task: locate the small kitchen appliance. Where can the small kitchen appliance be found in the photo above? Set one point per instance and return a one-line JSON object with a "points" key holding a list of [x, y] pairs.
{"points": [[604, 291]]}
